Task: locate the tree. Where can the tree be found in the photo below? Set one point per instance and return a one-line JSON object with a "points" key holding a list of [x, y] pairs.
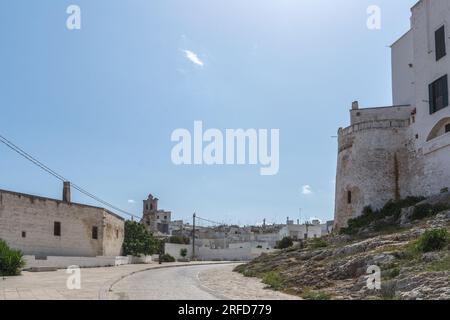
{"points": [[179, 240], [286, 242], [138, 241]]}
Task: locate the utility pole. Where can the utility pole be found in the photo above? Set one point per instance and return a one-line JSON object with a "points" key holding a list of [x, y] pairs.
{"points": [[193, 236]]}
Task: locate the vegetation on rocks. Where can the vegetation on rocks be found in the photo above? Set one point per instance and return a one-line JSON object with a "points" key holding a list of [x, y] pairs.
{"points": [[425, 210], [379, 220], [11, 261], [318, 243], [414, 257], [273, 280], [433, 240], [309, 294]]}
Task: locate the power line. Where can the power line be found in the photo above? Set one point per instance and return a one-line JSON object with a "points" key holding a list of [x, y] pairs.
{"points": [[38, 163], [210, 221]]}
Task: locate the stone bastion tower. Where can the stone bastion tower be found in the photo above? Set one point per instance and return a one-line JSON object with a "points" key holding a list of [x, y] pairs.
{"points": [[403, 150], [372, 165]]}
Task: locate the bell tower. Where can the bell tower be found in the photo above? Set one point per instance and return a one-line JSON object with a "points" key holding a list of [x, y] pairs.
{"points": [[150, 209]]}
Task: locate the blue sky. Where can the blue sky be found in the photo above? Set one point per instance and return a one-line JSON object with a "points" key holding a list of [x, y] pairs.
{"points": [[99, 104]]}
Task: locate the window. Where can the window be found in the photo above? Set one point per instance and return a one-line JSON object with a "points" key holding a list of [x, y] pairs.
{"points": [[349, 197], [439, 37], [165, 217], [94, 233], [151, 206], [57, 229], [438, 94], [447, 128], [24, 234], [117, 234]]}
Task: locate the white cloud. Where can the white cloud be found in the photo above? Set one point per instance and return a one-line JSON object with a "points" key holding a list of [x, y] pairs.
{"points": [[306, 190], [131, 201], [193, 58]]}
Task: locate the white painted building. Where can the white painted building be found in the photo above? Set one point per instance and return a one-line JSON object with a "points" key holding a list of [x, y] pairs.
{"points": [[301, 231], [402, 150]]}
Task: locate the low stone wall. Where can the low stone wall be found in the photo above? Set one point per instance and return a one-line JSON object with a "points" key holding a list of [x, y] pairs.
{"points": [[174, 250], [83, 262], [207, 254], [140, 260]]}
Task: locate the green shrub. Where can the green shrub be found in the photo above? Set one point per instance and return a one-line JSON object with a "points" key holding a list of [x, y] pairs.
{"points": [[11, 261], [433, 240], [392, 209], [427, 210], [249, 274], [284, 243], [273, 280], [183, 252], [138, 241], [391, 273], [317, 243], [309, 294], [166, 258]]}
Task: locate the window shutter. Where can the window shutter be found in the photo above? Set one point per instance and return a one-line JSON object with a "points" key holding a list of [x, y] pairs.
{"points": [[439, 38], [445, 90], [431, 97]]}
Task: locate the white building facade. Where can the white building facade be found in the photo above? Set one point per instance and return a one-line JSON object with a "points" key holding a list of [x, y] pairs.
{"points": [[402, 150]]}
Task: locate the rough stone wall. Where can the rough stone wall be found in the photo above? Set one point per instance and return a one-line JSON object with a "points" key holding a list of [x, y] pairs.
{"points": [[35, 216], [113, 234], [372, 165], [436, 170], [383, 160]]}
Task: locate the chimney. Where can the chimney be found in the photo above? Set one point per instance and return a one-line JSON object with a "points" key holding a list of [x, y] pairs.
{"points": [[355, 105], [66, 192]]}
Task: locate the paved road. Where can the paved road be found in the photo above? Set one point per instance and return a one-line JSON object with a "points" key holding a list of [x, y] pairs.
{"points": [[95, 282], [180, 283], [201, 282]]}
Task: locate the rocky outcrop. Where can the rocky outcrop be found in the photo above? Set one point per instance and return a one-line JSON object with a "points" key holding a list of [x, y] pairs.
{"points": [[341, 268]]}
